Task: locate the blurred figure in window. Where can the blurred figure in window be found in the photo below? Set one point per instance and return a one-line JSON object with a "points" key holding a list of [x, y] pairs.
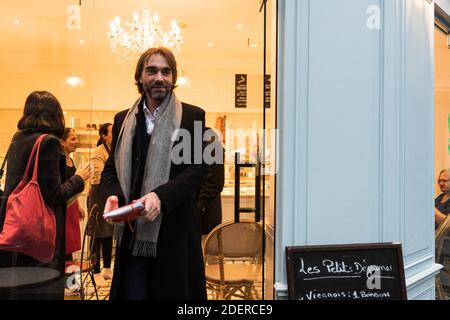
{"points": [[96, 203], [442, 202], [442, 209]]}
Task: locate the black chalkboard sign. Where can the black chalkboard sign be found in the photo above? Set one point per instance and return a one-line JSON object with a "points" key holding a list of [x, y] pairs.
{"points": [[346, 272]]}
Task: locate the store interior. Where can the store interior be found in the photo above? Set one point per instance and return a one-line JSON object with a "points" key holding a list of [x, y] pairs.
{"points": [[64, 47]]}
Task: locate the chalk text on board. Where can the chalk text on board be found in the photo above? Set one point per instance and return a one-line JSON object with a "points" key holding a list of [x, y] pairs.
{"points": [[340, 267]]}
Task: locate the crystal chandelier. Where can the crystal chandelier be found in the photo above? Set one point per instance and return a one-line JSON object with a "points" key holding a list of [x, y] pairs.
{"points": [[144, 32]]}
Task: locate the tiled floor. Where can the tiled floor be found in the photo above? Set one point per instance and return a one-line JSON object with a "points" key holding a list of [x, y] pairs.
{"points": [[103, 292]]}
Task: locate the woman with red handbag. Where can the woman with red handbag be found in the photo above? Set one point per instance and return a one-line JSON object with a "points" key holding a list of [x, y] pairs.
{"points": [[42, 124], [103, 235]]}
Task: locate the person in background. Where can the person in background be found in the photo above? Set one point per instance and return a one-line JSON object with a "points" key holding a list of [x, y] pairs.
{"points": [[75, 212], [442, 209], [159, 255], [103, 230], [209, 200], [42, 115], [442, 202]]}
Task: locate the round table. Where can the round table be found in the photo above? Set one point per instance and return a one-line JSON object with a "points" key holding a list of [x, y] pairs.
{"points": [[26, 277]]}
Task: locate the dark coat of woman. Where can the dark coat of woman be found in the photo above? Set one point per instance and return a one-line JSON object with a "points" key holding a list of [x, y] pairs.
{"points": [[55, 191], [443, 207], [177, 272]]}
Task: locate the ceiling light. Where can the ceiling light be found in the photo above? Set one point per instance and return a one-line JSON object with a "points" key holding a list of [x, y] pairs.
{"points": [[239, 26], [81, 41], [74, 81], [16, 21], [252, 45], [182, 80], [133, 38], [210, 44]]}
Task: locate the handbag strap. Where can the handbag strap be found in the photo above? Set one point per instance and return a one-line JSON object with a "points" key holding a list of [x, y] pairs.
{"points": [[34, 178], [34, 151]]}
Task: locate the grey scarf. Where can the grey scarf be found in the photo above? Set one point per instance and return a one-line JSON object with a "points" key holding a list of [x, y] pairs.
{"points": [[157, 167]]}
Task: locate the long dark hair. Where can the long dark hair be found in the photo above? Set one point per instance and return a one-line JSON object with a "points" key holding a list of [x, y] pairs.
{"points": [[167, 54], [42, 113], [103, 131]]}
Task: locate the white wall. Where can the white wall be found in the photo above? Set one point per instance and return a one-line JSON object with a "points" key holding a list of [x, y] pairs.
{"points": [[356, 130]]}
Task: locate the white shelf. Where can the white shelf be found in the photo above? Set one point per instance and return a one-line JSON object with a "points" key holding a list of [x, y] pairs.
{"points": [[84, 150], [90, 132]]}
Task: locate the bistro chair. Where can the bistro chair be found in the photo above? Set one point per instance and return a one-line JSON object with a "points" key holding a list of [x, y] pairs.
{"points": [[233, 260], [84, 268]]}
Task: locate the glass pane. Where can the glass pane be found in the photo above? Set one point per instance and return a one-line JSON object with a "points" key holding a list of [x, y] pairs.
{"points": [[270, 143], [442, 159], [215, 50], [64, 47], [49, 47], [223, 42], [223, 45]]}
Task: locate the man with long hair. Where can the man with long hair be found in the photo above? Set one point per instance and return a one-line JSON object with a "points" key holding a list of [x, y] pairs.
{"points": [[159, 255]]}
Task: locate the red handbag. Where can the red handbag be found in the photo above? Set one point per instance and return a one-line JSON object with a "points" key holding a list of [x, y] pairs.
{"points": [[30, 225]]}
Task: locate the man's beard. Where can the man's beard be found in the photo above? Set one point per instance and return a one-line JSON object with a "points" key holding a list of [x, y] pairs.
{"points": [[157, 91]]}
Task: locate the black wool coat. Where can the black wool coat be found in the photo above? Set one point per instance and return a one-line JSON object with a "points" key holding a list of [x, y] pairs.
{"points": [[55, 190], [178, 270], [209, 200]]}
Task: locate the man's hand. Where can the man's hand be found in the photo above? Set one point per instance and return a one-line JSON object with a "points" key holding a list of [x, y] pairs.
{"points": [[112, 203], [152, 206]]}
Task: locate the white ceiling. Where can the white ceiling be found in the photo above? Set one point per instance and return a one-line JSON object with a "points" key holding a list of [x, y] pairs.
{"points": [[42, 26], [40, 51]]}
